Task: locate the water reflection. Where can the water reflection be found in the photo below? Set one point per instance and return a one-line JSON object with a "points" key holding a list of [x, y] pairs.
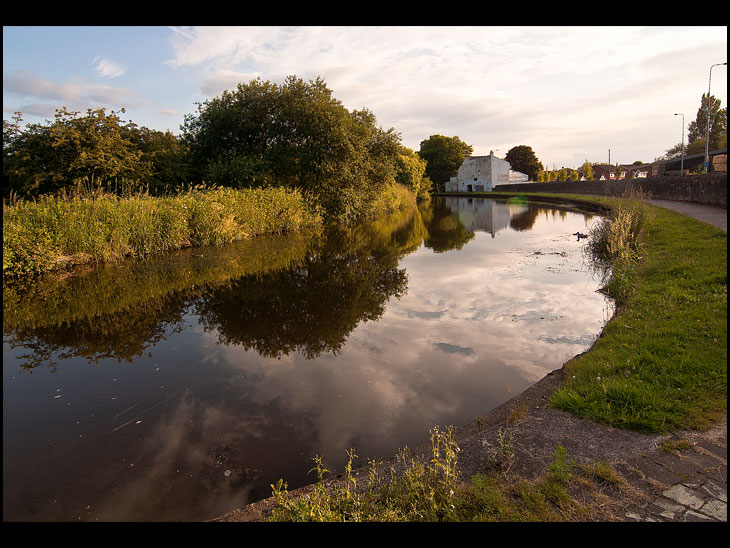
{"points": [[180, 387]]}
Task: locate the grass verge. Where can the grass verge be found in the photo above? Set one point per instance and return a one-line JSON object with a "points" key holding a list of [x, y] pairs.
{"points": [[661, 362]]}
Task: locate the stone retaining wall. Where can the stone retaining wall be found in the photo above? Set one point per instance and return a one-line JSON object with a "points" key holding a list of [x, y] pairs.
{"points": [[709, 189]]}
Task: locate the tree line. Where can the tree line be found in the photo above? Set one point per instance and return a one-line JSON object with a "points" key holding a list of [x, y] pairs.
{"points": [[294, 135], [261, 134]]}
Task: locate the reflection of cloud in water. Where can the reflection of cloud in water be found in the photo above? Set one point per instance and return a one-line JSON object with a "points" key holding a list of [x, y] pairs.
{"points": [[492, 328], [454, 349], [174, 460]]}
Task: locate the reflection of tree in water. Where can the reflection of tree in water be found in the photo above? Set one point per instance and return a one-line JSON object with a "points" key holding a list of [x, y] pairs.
{"points": [[524, 220], [445, 229], [300, 293], [312, 308], [123, 336]]}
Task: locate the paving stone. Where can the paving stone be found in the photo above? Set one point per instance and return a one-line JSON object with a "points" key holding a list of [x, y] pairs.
{"points": [[716, 509], [684, 496], [719, 475], [706, 462], [715, 490], [691, 515], [713, 448], [667, 509], [657, 472], [684, 468]]}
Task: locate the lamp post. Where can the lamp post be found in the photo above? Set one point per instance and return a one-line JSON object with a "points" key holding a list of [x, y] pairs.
{"points": [[682, 165], [707, 132]]}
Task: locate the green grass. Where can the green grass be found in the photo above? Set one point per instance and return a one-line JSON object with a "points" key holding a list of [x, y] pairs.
{"points": [[661, 362], [53, 232], [50, 233], [428, 489]]}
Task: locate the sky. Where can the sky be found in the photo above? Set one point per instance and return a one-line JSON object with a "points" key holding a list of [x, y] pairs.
{"points": [[572, 94]]}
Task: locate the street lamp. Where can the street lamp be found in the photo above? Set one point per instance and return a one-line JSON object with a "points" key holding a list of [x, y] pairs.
{"points": [[682, 168], [707, 133]]}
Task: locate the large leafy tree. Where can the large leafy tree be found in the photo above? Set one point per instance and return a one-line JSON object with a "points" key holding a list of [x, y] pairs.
{"points": [[523, 159], [443, 155], [295, 134], [93, 151]]}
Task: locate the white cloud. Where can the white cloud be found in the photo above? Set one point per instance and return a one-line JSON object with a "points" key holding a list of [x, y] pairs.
{"points": [[495, 87], [107, 68]]}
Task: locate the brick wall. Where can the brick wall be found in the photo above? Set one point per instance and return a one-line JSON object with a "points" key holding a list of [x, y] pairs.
{"points": [[710, 189]]}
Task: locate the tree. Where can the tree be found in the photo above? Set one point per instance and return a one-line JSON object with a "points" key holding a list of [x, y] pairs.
{"points": [[522, 158], [410, 172], [86, 152], [587, 169], [444, 156], [295, 134], [697, 129]]}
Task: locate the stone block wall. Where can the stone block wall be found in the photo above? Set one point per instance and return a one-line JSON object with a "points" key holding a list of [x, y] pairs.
{"points": [[709, 189]]}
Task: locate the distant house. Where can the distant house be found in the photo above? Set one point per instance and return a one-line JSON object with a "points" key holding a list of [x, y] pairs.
{"points": [[480, 174], [518, 177], [605, 172], [692, 163]]}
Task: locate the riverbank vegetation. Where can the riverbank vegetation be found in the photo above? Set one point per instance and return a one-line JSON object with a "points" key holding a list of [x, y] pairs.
{"points": [[264, 158], [52, 231]]}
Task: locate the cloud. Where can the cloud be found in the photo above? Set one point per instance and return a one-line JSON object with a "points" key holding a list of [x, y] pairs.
{"points": [[221, 80], [494, 87], [74, 93], [107, 68]]}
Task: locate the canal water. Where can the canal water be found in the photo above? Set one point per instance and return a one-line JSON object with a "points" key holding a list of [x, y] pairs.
{"points": [[182, 386]]}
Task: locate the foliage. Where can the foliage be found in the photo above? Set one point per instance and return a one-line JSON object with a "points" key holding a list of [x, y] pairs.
{"points": [[296, 135], [697, 129], [430, 489], [613, 246], [443, 155], [522, 158], [56, 231], [422, 490], [410, 172], [88, 153]]}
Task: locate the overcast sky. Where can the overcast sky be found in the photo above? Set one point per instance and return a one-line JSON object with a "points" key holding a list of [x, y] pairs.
{"points": [[570, 93]]}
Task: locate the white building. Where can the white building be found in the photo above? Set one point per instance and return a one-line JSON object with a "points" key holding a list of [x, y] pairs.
{"points": [[518, 177], [482, 174]]}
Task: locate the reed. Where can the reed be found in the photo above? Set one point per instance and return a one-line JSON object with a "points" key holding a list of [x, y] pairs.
{"points": [[52, 232]]}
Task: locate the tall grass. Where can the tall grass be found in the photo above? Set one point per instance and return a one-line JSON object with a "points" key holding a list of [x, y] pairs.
{"points": [[51, 232], [614, 247]]}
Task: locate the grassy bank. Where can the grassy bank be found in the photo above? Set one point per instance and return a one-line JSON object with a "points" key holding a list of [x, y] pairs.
{"points": [[55, 232], [660, 364], [51, 232]]}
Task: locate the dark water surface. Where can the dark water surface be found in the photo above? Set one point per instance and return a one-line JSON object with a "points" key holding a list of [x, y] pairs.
{"points": [[180, 387]]}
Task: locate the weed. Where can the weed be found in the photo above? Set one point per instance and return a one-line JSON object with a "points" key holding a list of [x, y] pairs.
{"points": [[503, 455]]}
